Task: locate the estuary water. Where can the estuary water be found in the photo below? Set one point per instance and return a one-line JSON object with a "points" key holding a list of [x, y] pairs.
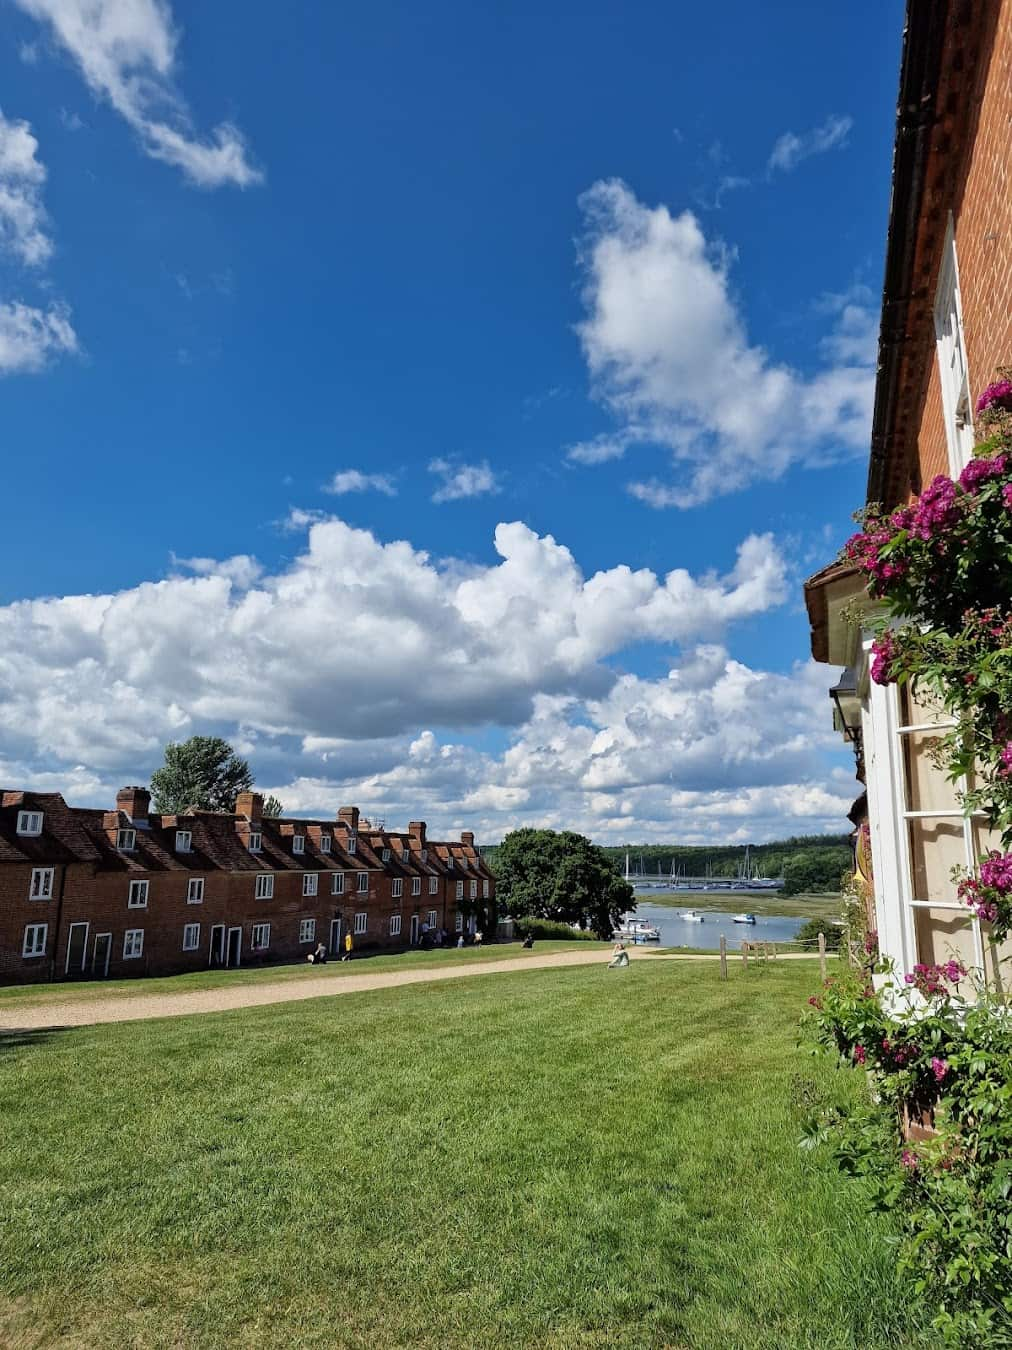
{"points": [[679, 932]]}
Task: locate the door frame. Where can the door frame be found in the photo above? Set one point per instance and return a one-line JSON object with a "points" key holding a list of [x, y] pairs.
{"points": [[81, 923], [335, 943], [210, 951], [416, 924], [108, 955], [236, 928]]}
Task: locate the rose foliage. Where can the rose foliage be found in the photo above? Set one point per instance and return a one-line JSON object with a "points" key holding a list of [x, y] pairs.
{"points": [[932, 1054], [942, 569]]}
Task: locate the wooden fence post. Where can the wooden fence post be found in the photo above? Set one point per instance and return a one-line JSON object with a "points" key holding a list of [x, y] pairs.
{"points": [[723, 957], [744, 954], [822, 956]]}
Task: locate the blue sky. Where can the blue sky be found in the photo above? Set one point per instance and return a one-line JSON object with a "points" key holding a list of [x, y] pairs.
{"points": [[454, 254]]}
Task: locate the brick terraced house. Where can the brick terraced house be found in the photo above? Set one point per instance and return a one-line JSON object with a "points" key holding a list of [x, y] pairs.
{"points": [[87, 893], [946, 325]]}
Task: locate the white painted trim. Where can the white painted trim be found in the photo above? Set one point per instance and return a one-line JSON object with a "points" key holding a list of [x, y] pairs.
{"points": [[236, 928], [94, 953], [224, 944], [84, 949]]}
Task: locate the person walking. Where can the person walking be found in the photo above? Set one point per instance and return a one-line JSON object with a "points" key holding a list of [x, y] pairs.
{"points": [[348, 945]]}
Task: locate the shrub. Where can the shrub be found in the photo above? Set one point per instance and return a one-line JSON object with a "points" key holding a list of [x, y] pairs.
{"points": [[811, 928], [548, 930]]}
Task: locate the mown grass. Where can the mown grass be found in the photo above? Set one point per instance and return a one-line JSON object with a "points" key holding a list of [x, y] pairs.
{"points": [[29, 995], [567, 1158], [756, 902]]}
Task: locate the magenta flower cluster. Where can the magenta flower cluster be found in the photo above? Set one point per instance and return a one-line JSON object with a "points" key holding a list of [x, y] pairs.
{"points": [[939, 1067], [982, 471], [989, 893], [998, 395], [860, 1054], [883, 652], [933, 981]]}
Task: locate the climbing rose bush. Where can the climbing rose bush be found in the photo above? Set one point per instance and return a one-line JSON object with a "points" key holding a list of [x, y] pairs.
{"points": [[932, 1054]]}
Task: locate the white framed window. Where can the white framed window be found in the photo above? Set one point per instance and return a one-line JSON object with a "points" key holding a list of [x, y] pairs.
{"points": [[34, 943], [363, 883], [310, 882], [474, 890], [459, 925], [126, 840], [449, 862], [352, 844], [416, 885], [298, 843], [951, 350], [337, 884], [184, 841], [261, 936], [29, 822], [191, 937], [265, 886], [361, 923], [463, 863], [133, 944], [256, 841], [307, 930], [195, 891], [42, 883], [433, 918], [460, 890], [325, 841], [137, 896], [405, 855], [424, 855], [433, 885], [396, 888], [484, 889], [395, 925], [386, 855]]}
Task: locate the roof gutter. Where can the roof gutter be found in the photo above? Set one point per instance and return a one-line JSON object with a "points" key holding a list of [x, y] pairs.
{"points": [[915, 118]]}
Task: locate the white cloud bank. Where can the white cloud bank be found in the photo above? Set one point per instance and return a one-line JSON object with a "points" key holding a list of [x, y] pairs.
{"points": [[336, 673], [668, 352], [126, 51]]}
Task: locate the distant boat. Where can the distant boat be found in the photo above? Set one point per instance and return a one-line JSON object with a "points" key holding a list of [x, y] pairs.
{"points": [[743, 918], [690, 916], [639, 930]]}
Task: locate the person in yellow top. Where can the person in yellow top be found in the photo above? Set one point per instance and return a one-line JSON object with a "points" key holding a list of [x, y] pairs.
{"points": [[348, 944]]}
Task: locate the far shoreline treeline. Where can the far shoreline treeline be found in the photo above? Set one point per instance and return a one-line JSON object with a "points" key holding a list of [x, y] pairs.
{"points": [[808, 863]]}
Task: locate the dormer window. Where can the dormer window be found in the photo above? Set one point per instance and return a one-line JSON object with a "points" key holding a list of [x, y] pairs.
{"points": [[126, 840], [324, 843], [449, 863], [298, 843], [425, 855], [184, 839], [29, 822], [386, 855], [352, 843], [405, 855], [255, 841]]}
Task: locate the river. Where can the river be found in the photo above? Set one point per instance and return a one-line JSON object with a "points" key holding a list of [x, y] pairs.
{"points": [[678, 932]]}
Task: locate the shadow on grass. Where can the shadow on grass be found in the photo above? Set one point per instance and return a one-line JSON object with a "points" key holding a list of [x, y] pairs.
{"points": [[13, 1039]]}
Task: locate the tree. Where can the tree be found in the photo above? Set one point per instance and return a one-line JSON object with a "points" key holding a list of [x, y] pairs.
{"points": [[204, 772], [810, 930], [560, 876], [273, 807]]}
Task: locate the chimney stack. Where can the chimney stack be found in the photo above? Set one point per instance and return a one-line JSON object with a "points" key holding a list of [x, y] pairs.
{"points": [[250, 805], [348, 815], [467, 839], [417, 831], [134, 801]]}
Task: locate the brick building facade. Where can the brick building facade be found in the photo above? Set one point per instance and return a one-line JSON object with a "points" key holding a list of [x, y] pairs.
{"points": [[87, 893], [946, 324]]}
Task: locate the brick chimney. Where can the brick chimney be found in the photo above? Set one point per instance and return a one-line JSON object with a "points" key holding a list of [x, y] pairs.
{"points": [[417, 831], [250, 805], [348, 815], [134, 801], [467, 839]]}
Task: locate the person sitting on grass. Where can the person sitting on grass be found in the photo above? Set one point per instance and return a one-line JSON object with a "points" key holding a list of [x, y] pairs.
{"points": [[528, 942], [619, 957]]}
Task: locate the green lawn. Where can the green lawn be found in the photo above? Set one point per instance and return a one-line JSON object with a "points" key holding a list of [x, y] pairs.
{"points": [[564, 1158], [756, 902], [27, 995]]}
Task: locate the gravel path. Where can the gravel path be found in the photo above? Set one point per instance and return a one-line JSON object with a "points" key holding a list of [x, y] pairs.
{"points": [[138, 1008]]}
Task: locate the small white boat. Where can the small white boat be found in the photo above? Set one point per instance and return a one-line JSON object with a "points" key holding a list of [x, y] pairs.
{"points": [[743, 918], [690, 916], [639, 930]]}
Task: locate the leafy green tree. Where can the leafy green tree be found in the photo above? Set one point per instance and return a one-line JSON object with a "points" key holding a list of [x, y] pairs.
{"points": [[562, 877], [809, 932], [204, 772], [273, 807]]}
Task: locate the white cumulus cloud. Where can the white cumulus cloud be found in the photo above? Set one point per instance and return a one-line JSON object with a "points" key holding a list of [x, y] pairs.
{"points": [[126, 51], [22, 174], [460, 481], [31, 337], [668, 352], [354, 480]]}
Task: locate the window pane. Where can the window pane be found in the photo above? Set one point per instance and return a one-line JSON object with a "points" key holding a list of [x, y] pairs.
{"points": [[936, 847]]}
